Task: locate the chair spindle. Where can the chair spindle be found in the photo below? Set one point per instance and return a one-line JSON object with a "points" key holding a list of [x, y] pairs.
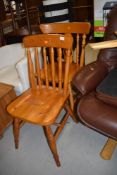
{"points": [[83, 50], [31, 70], [52, 66], [77, 49], [60, 67], [45, 67], [37, 67]]}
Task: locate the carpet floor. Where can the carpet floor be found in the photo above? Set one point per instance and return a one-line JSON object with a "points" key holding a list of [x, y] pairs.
{"points": [[78, 148]]}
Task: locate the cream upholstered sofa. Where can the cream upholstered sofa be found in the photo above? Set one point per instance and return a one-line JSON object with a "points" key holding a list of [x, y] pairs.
{"points": [[13, 66]]}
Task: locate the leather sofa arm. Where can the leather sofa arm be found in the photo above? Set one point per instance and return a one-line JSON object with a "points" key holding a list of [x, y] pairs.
{"points": [[88, 78]]}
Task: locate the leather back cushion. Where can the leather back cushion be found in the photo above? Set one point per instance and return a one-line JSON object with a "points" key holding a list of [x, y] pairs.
{"points": [[107, 89], [89, 77], [109, 56]]}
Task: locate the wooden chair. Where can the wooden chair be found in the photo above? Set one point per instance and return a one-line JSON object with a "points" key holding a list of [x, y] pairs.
{"points": [[43, 101], [79, 31]]}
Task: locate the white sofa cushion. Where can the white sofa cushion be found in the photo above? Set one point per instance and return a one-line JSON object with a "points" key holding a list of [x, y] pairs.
{"points": [[11, 54], [22, 71], [9, 75]]}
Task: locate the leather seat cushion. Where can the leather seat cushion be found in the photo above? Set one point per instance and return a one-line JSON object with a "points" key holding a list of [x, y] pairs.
{"points": [[107, 89], [98, 115]]}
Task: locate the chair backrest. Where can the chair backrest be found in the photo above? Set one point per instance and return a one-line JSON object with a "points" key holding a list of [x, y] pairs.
{"points": [[48, 43], [79, 31]]}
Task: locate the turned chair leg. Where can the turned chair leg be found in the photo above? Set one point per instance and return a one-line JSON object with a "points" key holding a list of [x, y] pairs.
{"points": [[71, 97], [16, 128], [70, 112], [52, 144], [108, 149]]}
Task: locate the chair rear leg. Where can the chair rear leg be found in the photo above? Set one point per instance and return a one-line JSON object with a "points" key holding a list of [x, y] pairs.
{"points": [[52, 144], [16, 128], [108, 149], [71, 97], [69, 110]]}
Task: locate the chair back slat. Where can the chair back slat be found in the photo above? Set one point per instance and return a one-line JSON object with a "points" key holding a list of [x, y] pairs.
{"points": [[60, 68], [52, 46], [66, 76], [37, 67], [77, 49], [82, 50], [78, 29], [45, 66], [31, 70], [52, 61]]}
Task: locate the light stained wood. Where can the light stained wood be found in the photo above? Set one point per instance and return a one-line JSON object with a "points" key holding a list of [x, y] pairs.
{"points": [[60, 67], [16, 128], [43, 101], [37, 67], [79, 30], [104, 44], [45, 68], [51, 141], [31, 70], [83, 50], [108, 149], [77, 49]]}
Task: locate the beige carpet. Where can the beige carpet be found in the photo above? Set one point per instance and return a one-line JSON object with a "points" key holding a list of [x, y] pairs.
{"points": [[78, 149]]}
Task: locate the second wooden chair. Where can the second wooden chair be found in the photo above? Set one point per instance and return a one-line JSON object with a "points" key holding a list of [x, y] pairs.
{"points": [[79, 30]]}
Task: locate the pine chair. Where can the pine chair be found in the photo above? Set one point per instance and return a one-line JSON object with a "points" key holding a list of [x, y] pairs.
{"points": [[79, 30], [43, 101]]}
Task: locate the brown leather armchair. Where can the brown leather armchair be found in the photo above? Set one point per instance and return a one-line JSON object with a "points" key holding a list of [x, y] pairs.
{"points": [[98, 85]]}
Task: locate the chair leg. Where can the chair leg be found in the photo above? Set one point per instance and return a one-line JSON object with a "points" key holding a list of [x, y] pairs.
{"points": [[52, 144], [71, 97], [67, 107], [16, 128], [108, 149]]}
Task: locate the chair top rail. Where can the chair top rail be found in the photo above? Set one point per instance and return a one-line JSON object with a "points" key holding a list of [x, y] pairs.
{"points": [[70, 27], [45, 40]]}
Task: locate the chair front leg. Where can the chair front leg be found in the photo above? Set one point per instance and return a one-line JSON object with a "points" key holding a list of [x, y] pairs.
{"points": [[16, 128], [52, 144]]}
